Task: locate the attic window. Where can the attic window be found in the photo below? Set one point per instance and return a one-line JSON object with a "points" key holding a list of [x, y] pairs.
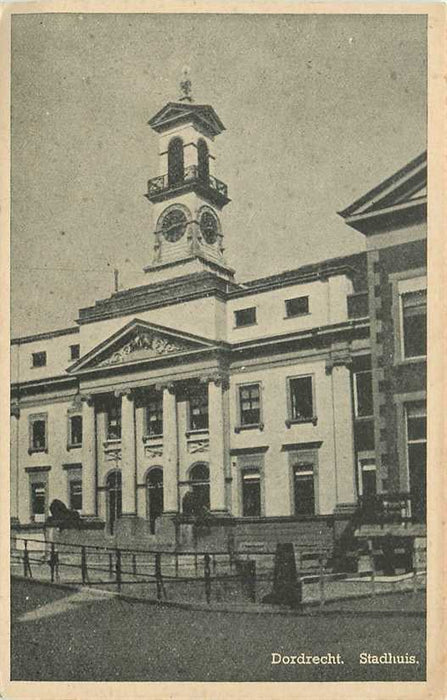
{"points": [[297, 306], [245, 317], [74, 352], [39, 359]]}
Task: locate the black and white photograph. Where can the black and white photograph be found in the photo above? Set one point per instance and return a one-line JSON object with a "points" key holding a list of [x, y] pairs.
{"points": [[218, 349]]}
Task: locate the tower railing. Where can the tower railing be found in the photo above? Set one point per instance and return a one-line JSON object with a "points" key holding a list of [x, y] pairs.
{"points": [[191, 175]]}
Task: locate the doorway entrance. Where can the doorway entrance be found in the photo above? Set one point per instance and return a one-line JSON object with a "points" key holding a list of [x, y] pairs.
{"points": [[154, 496], [114, 499]]}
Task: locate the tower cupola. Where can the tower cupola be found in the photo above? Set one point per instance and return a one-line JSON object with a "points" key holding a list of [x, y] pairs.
{"points": [[187, 196]]}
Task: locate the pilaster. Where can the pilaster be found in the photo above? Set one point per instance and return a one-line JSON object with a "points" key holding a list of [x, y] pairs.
{"points": [[89, 470]]}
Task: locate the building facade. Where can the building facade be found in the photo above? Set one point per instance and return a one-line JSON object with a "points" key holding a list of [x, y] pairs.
{"points": [[268, 408]]}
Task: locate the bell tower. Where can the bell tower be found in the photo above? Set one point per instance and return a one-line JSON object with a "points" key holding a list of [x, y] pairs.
{"points": [[186, 195]]}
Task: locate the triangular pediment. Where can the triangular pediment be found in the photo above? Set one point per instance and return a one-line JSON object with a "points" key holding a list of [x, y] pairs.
{"points": [[180, 112], [406, 186], [140, 341]]}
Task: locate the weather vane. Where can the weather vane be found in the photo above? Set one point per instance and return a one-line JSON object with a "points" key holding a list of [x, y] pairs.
{"points": [[185, 85]]}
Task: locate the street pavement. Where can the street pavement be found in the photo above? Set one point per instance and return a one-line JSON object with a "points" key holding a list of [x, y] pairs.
{"points": [[89, 635]]}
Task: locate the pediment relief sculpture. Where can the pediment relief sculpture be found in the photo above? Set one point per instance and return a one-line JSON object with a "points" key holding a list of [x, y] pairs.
{"points": [[144, 343]]}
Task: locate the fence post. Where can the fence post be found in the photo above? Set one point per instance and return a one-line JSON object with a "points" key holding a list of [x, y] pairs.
{"points": [[26, 565], [176, 564], [196, 563], [134, 564], [321, 580], [110, 565], [54, 563], [118, 569], [252, 581], [372, 564], [207, 578], [83, 565], [158, 578]]}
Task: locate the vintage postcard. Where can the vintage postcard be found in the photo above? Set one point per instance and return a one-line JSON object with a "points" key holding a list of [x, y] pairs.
{"points": [[222, 464]]}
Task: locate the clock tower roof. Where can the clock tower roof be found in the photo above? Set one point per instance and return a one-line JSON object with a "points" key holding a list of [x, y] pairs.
{"points": [[175, 113]]}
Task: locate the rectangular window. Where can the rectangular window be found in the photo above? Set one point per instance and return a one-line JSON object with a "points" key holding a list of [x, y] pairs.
{"points": [[251, 493], [245, 317], [417, 456], [301, 398], [38, 433], [39, 359], [368, 477], [75, 351], [198, 409], [250, 404], [114, 420], [75, 427], [297, 306], [363, 396], [414, 322], [76, 494], [304, 489], [154, 415], [38, 501]]}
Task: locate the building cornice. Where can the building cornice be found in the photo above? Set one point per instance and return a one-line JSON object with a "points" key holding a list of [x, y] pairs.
{"points": [[44, 336]]}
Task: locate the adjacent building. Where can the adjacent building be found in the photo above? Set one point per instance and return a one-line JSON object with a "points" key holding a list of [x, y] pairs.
{"points": [[277, 408]]}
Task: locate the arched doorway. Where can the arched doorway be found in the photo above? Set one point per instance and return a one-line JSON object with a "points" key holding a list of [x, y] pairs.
{"points": [[154, 483], [203, 160], [197, 500], [175, 162], [114, 499]]}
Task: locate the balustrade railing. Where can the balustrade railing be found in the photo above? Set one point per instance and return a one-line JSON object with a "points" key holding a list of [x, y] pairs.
{"points": [[191, 174], [382, 509]]}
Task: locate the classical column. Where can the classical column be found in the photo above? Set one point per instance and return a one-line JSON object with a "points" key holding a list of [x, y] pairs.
{"points": [[170, 449], [339, 368], [14, 462], [217, 424], [88, 457], [128, 453]]}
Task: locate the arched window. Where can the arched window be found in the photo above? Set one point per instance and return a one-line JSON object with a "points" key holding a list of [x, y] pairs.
{"points": [[154, 483], [114, 499], [197, 500], [203, 160], [175, 162]]}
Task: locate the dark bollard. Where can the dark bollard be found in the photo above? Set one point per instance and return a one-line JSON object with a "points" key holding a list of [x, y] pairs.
{"points": [[287, 586]]}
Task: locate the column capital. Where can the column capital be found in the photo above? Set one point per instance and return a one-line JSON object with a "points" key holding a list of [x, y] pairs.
{"points": [[161, 386], [128, 393], [341, 358], [14, 410], [216, 378], [89, 399]]}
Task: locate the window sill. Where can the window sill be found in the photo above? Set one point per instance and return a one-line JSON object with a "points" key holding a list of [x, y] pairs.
{"points": [[251, 426], [245, 325], [158, 437], [33, 450], [307, 313], [74, 447], [298, 421], [197, 432], [112, 442], [410, 360], [361, 418]]}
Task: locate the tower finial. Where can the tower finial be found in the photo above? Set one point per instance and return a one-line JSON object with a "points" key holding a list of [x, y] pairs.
{"points": [[185, 85]]}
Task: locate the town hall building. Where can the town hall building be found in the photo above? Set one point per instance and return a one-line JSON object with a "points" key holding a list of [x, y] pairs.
{"points": [[271, 410]]}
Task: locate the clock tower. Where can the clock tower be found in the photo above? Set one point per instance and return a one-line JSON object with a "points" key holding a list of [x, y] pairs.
{"points": [[186, 195]]}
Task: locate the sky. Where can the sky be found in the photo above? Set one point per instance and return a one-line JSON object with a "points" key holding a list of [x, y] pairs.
{"points": [[318, 109]]}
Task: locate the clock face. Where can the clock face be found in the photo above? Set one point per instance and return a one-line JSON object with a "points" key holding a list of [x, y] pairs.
{"points": [[209, 227], [174, 225]]}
